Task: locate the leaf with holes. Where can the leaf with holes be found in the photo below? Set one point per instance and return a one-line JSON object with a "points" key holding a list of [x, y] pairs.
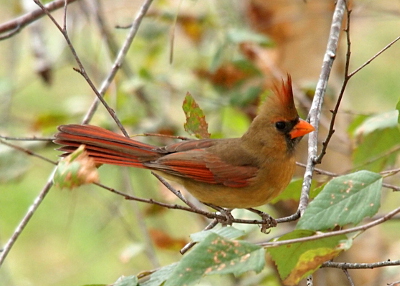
{"points": [[217, 255], [195, 120], [344, 200]]}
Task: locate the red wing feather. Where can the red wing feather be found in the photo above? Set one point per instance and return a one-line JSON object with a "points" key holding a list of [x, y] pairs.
{"points": [[205, 167]]}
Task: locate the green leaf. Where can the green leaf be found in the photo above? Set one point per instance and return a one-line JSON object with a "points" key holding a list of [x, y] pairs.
{"points": [[293, 191], [227, 232], [298, 260], [378, 122], [160, 276], [217, 255], [195, 120], [356, 123], [377, 142], [344, 200], [126, 281]]}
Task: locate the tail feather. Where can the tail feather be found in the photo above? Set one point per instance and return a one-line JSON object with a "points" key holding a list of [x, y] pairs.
{"points": [[104, 146]]}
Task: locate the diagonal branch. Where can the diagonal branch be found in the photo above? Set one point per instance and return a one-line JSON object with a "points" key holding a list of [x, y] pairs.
{"points": [[14, 26]]}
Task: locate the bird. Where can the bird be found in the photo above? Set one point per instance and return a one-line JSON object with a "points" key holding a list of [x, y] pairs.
{"points": [[243, 172]]}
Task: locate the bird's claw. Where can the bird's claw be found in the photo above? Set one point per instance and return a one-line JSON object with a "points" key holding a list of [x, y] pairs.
{"points": [[228, 217], [267, 220], [268, 223]]}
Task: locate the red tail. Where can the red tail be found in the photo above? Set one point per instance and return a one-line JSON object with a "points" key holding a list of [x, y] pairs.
{"points": [[106, 147]]}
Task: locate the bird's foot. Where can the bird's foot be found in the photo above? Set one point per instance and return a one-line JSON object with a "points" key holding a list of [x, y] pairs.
{"points": [[228, 217], [267, 220]]}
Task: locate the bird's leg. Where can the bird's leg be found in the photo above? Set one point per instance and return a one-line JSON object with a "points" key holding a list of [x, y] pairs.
{"points": [[268, 221], [225, 212]]}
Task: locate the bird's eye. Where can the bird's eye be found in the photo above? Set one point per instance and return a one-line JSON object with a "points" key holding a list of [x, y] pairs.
{"points": [[280, 125]]}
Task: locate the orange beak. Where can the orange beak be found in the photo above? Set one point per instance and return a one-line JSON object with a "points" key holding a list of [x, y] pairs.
{"points": [[301, 129]]}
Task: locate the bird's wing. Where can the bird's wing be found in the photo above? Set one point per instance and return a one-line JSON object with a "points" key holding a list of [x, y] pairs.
{"points": [[204, 166]]}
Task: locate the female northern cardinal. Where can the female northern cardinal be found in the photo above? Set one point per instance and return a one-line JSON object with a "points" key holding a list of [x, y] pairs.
{"points": [[233, 173]]}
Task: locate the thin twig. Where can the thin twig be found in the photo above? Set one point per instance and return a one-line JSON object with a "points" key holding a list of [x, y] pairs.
{"points": [[33, 138], [15, 25], [376, 158], [113, 49], [348, 277], [333, 233], [177, 193], [331, 174], [316, 106], [81, 70], [119, 60], [375, 56], [27, 151], [346, 79], [346, 265]]}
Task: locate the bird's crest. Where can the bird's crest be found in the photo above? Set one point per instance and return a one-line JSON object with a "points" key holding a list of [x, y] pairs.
{"points": [[284, 92]]}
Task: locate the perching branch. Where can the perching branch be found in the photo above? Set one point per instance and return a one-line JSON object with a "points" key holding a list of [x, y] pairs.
{"points": [[361, 228], [346, 265]]}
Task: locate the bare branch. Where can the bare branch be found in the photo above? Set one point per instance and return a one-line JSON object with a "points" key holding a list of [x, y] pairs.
{"points": [[346, 265], [331, 129], [14, 26], [119, 60], [364, 227], [348, 277], [28, 152], [81, 69], [315, 111], [384, 173], [375, 56]]}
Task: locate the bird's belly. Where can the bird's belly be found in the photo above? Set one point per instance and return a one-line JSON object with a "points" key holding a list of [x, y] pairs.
{"points": [[228, 197]]}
